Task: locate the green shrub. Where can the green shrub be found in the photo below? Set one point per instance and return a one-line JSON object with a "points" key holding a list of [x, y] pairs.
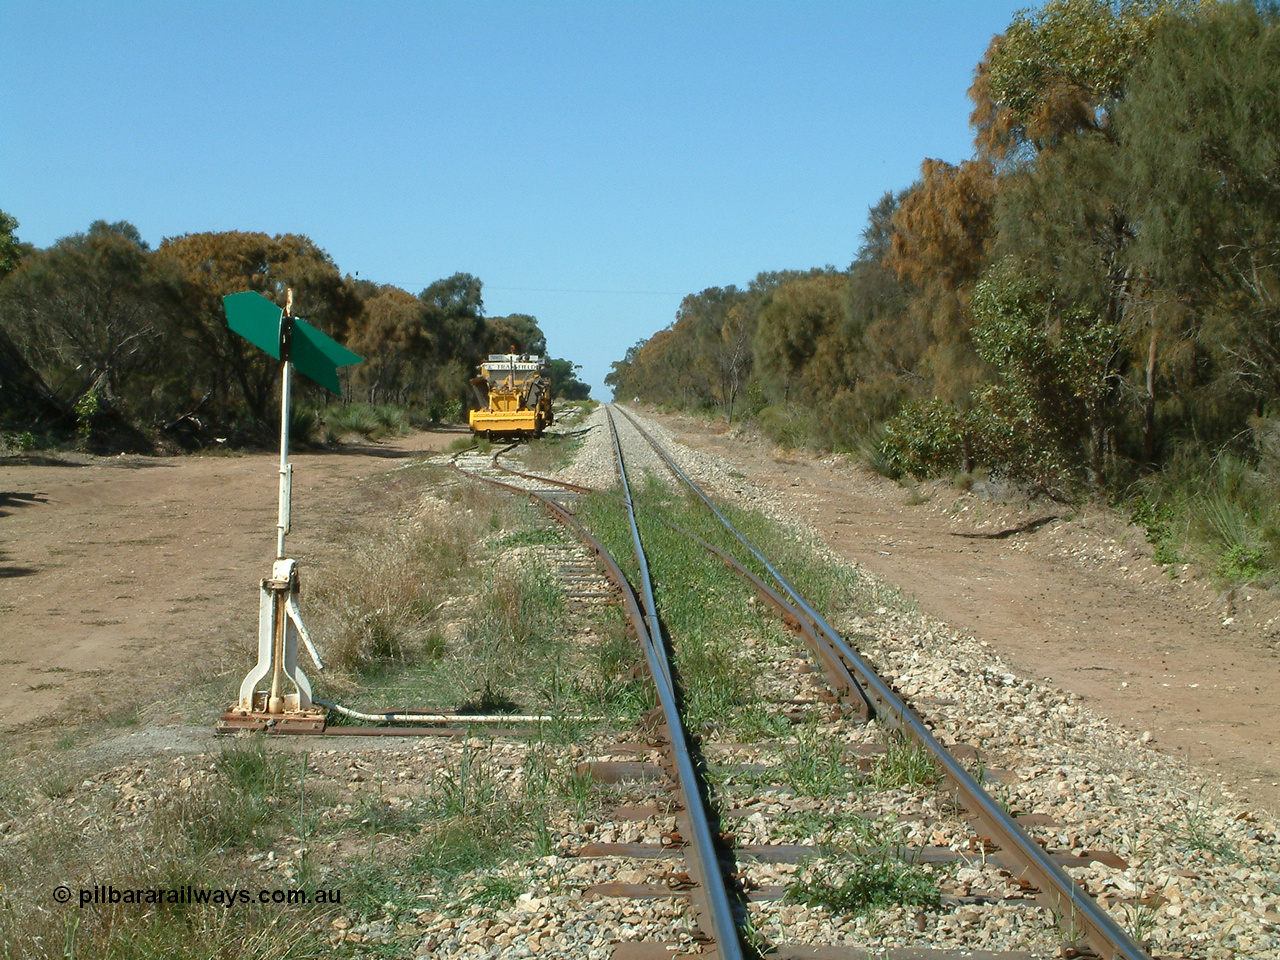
{"points": [[791, 425], [368, 421], [1158, 521], [86, 412], [925, 439], [23, 442], [1219, 511], [304, 426], [447, 411]]}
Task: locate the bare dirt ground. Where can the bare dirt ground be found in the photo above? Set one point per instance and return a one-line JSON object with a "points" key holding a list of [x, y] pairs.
{"points": [[123, 579], [1076, 600]]}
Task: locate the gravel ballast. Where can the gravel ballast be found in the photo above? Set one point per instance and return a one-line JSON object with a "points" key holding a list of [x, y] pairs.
{"points": [[1203, 867]]}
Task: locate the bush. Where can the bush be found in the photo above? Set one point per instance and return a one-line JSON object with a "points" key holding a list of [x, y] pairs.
{"points": [[304, 427], [1218, 510], [932, 438], [370, 422], [926, 439], [1159, 522], [23, 442], [447, 411]]}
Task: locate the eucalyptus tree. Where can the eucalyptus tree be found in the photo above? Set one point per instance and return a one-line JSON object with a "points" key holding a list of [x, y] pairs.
{"points": [[517, 330], [455, 322], [10, 247], [941, 231], [233, 374], [1059, 71], [390, 334], [90, 311]]}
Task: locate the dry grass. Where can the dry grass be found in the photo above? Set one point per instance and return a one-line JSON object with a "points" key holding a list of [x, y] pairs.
{"points": [[219, 821], [378, 596], [455, 607], [113, 831]]}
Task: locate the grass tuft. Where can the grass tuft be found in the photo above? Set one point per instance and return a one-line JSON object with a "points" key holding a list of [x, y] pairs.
{"points": [[816, 765], [551, 454], [365, 420], [904, 763], [1219, 511], [860, 884]]}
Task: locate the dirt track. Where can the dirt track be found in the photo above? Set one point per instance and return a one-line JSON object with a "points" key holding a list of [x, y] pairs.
{"points": [[122, 579]]}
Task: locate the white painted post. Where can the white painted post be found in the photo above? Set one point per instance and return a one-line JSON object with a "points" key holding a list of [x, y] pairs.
{"points": [[280, 621], [286, 468]]}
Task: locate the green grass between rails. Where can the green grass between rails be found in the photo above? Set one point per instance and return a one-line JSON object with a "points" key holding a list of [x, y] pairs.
{"points": [[703, 606], [860, 883], [705, 609]]}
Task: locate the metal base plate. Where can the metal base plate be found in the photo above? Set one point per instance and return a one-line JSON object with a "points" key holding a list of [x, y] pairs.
{"points": [[295, 722]]}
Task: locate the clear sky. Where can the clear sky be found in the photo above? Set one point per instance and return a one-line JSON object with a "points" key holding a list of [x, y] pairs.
{"points": [[591, 162]]}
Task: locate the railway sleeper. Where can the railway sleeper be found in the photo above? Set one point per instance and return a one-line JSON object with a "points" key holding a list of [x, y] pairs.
{"points": [[764, 894], [655, 950], [800, 852]]}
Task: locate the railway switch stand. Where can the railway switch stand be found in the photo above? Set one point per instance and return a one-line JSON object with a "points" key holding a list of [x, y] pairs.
{"points": [[285, 706]]}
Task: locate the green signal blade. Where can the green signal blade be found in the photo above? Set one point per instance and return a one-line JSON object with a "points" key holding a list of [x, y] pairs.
{"points": [[313, 353], [256, 319], [317, 355]]}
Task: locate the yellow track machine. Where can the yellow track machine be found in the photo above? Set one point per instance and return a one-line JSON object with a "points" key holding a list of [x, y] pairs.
{"points": [[514, 390]]}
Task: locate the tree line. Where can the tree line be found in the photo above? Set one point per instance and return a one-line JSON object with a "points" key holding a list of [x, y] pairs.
{"points": [[1091, 298], [127, 345]]}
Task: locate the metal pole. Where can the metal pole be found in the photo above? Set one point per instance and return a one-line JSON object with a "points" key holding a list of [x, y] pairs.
{"points": [[280, 626], [286, 474], [286, 471], [275, 699]]}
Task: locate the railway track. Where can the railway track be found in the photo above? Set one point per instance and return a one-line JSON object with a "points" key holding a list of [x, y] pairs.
{"points": [[854, 722]]}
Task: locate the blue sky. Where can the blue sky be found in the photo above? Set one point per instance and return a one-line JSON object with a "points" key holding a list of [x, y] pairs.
{"points": [[592, 163]]}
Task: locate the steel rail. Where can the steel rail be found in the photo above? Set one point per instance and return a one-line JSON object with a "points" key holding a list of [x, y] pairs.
{"points": [[646, 581], [1058, 890], [563, 484], [705, 859], [724, 926], [837, 673]]}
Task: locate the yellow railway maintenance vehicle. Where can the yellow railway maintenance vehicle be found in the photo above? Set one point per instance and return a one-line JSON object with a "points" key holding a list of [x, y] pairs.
{"points": [[514, 390]]}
